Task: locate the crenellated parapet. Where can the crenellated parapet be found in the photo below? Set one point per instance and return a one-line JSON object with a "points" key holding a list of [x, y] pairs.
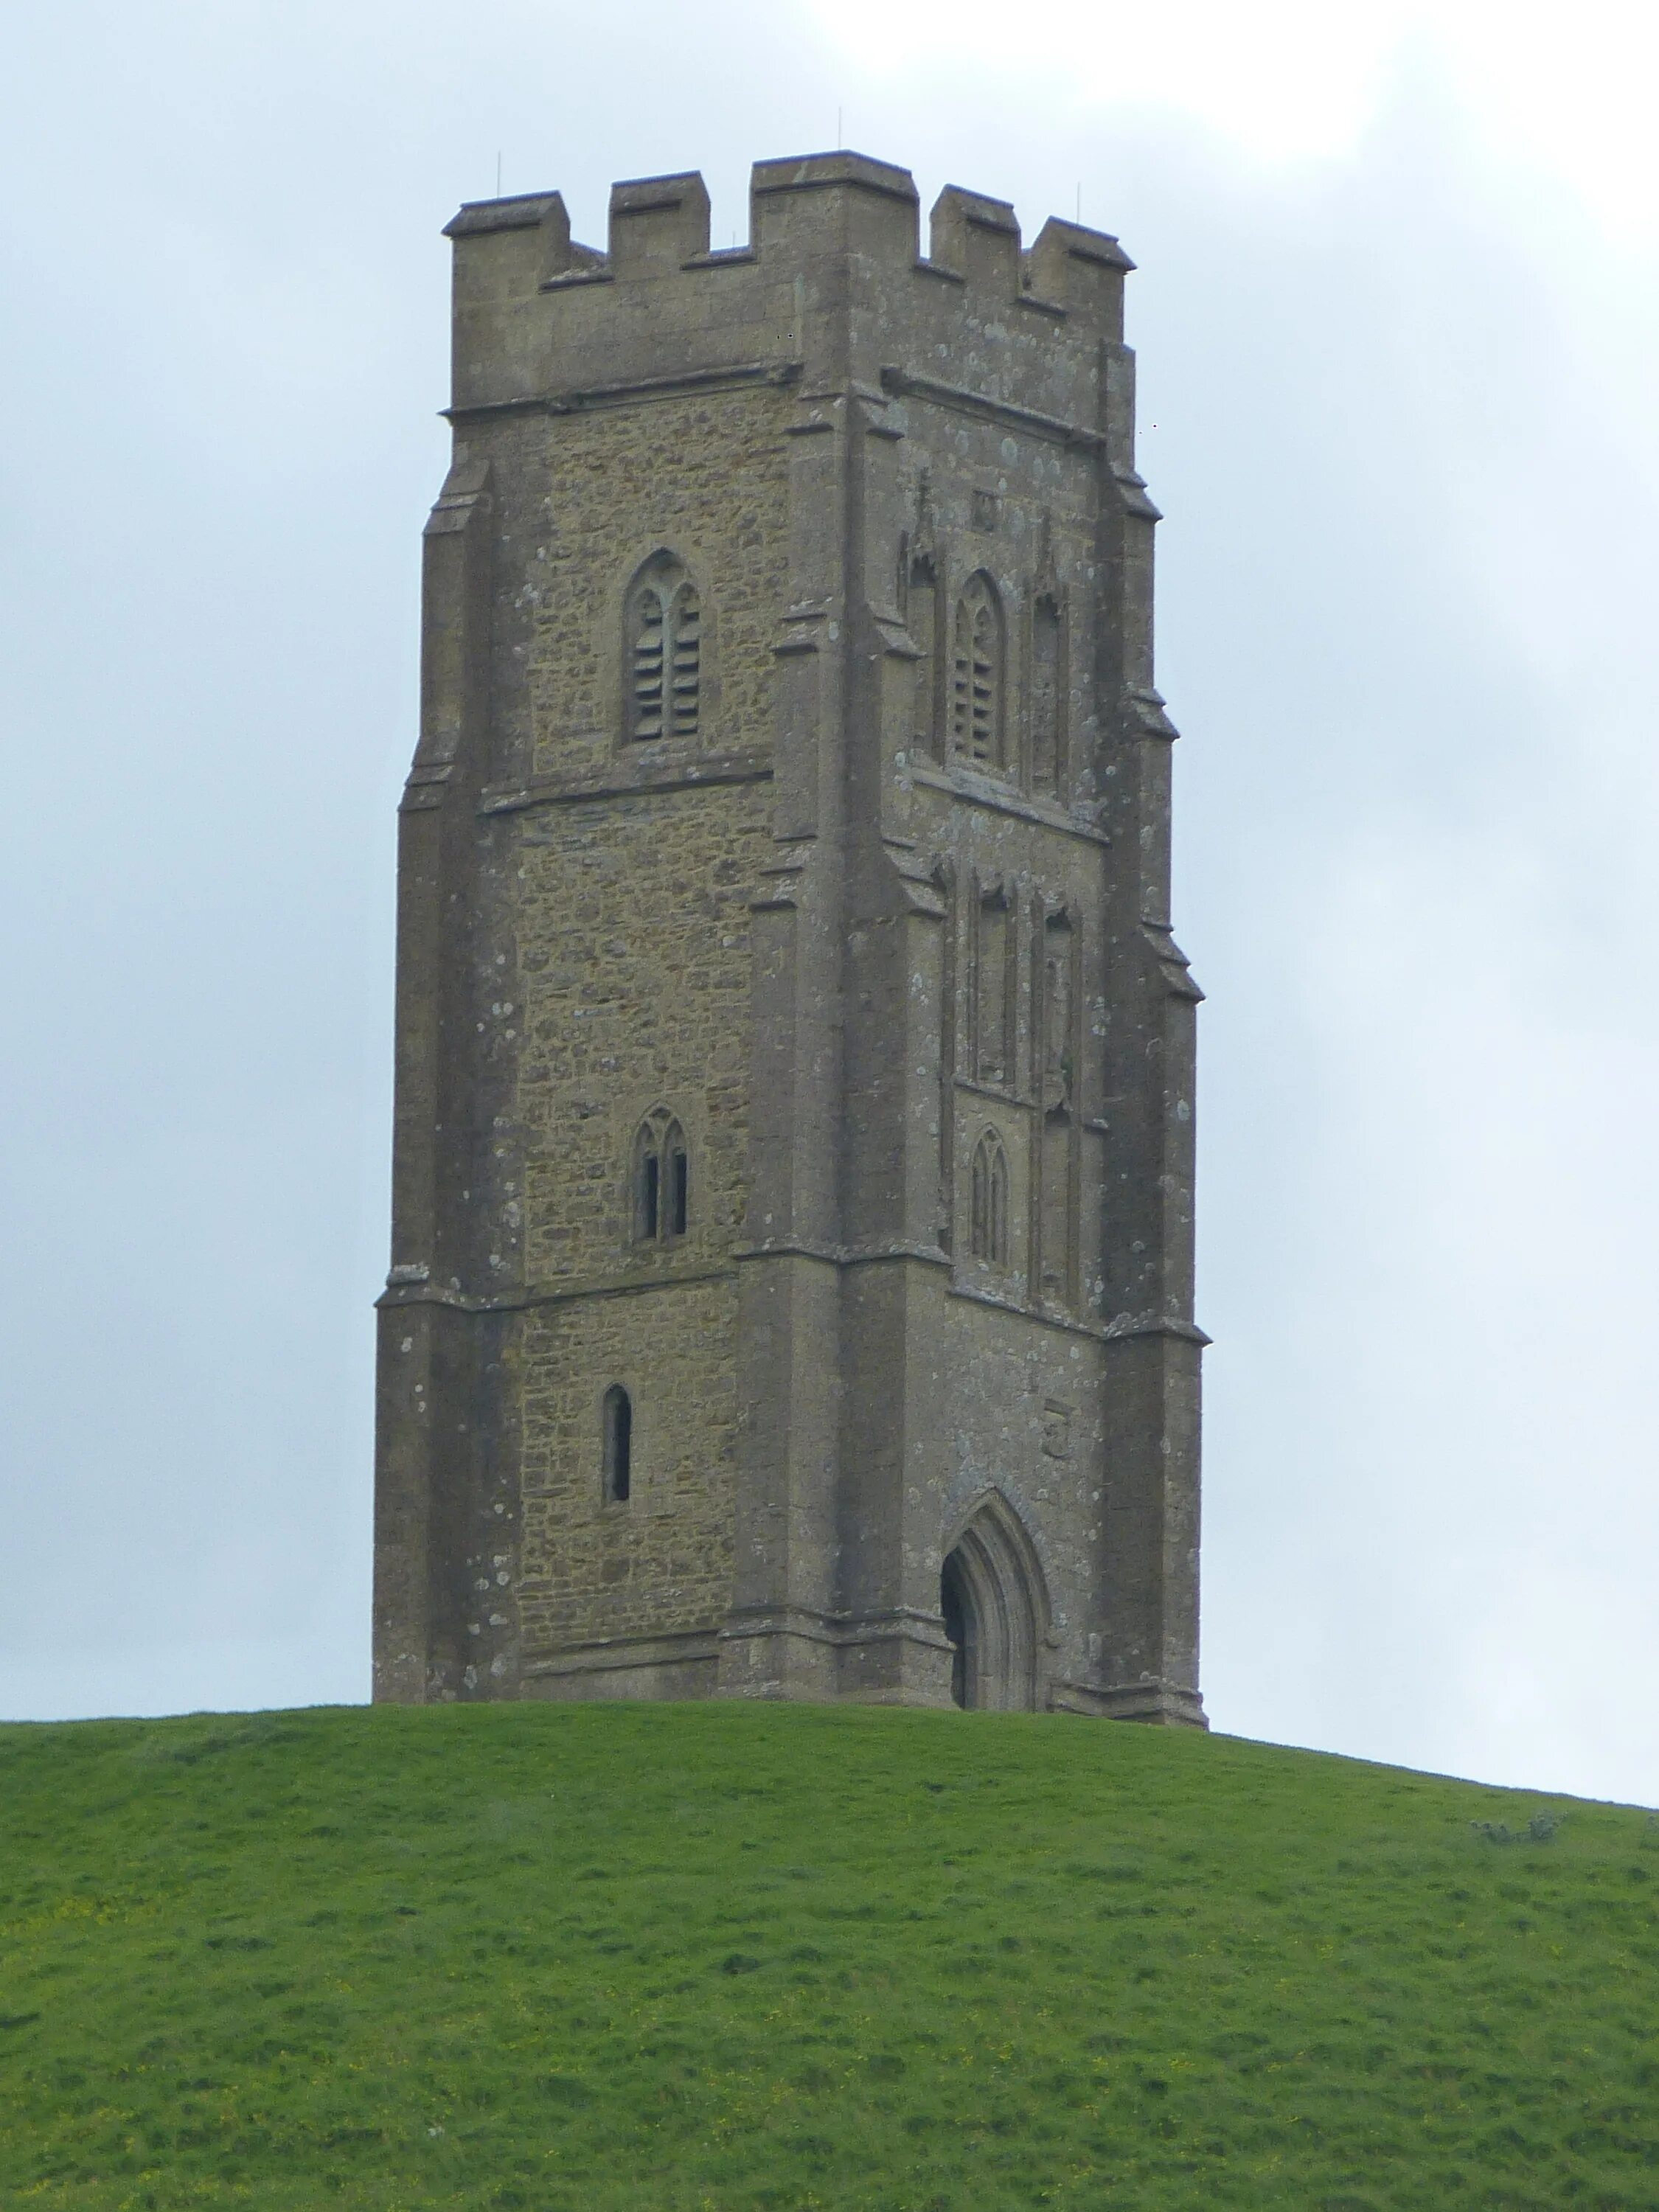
{"points": [[537, 313]]}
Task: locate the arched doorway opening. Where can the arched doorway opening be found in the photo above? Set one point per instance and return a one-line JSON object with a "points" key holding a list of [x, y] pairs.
{"points": [[995, 1611], [954, 1605]]}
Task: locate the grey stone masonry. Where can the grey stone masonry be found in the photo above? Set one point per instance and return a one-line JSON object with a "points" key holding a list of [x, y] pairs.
{"points": [[791, 1292]]}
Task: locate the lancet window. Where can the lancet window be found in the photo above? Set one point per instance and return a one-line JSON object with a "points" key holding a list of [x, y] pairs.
{"points": [[663, 675], [977, 677], [617, 1444], [662, 1180], [988, 1226]]}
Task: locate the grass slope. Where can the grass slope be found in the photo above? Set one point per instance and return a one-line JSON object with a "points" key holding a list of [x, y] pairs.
{"points": [[666, 1958]]}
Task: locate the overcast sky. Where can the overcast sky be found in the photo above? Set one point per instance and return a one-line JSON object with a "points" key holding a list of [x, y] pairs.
{"points": [[1396, 318]]}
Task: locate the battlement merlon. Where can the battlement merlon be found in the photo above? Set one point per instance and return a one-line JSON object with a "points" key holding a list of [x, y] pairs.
{"points": [[541, 319]]}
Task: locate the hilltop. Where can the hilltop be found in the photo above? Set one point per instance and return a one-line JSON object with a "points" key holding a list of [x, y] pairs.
{"points": [[663, 1958]]}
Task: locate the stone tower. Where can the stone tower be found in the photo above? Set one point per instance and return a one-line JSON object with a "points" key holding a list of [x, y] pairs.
{"points": [[792, 1283]]}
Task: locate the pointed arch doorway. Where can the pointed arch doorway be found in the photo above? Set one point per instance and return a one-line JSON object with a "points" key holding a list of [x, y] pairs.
{"points": [[995, 1610]]}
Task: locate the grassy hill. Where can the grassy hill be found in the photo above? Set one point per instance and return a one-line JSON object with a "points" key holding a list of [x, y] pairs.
{"points": [[668, 1958]]}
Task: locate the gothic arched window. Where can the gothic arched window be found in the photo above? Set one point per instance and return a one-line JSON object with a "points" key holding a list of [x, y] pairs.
{"points": [[989, 1228], [662, 680], [977, 676], [660, 1177], [617, 1444]]}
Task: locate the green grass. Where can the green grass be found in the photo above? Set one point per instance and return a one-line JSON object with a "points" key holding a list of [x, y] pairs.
{"points": [[738, 1957]]}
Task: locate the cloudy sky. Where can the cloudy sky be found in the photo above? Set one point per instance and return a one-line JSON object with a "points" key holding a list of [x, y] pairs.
{"points": [[1396, 315]]}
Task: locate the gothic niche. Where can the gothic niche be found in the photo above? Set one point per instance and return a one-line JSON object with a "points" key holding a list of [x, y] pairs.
{"points": [[1049, 676], [1057, 1211], [917, 583], [923, 608], [993, 998], [662, 680], [1046, 765]]}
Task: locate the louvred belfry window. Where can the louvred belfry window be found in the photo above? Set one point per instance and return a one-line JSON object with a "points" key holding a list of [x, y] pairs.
{"points": [[647, 666], [664, 672], [977, 676], [686, 625]]}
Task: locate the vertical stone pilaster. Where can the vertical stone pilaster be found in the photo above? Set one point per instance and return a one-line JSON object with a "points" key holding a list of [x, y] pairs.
{"points": [[428, 1350], [778, 1637]]}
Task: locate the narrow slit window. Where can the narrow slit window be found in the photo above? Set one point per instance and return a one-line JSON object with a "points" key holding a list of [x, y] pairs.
{"points": [[650, 1196], [679, 1184], [617, 1423]]}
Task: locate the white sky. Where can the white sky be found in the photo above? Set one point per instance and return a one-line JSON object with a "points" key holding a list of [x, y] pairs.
{"points": [[1568, 91], [1396, 318]]}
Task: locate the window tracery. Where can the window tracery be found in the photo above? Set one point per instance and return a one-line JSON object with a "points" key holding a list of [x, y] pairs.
{"points": [[661, 1178], [988, 1224]]}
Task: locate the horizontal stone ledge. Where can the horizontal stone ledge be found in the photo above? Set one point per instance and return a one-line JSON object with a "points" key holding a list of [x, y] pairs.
{"points": [[902, 384], [980, 790], [1128, 1329], [730, 375], [1113, 1332], [906, 1624], [410, 1293], [605, 1655], [1151, 1700], [627, 780], [842, 1256], [1125, 1328]]}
